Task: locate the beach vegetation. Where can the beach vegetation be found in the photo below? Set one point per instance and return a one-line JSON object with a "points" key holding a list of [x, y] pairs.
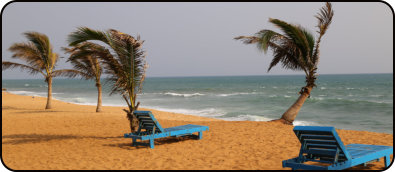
{"points": [[40, 58], [296, 49], [124, 66], [85, 58]]}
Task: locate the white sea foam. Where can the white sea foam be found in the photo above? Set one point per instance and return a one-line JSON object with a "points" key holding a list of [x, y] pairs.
{"points": [[247, 117], [322, 88], [317, 98], [375, 95], [287, 96], [79, 100], [26, 85], [208, 112], [234, 94], [183, 95], [29, 93]]}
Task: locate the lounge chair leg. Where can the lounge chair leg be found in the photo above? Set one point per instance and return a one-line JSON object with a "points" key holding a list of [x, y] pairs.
{"points": [[200, 135], [387, 160], [151, 143], [134, 142]]}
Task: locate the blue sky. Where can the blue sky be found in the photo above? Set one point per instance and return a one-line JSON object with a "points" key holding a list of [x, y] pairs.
{"points": [[196, 38]]}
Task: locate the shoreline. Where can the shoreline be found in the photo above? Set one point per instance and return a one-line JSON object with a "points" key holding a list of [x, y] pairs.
{"points": [[303, 123], [71, 136]]}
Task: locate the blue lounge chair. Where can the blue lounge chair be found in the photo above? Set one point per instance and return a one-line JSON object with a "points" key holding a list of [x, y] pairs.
{"points": [[153, 130], [323, 145]]}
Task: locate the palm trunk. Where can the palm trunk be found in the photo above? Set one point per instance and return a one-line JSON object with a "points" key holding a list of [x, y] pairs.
{"points": [[290, 115], [49, 98], [99, 95], [133, 121]]}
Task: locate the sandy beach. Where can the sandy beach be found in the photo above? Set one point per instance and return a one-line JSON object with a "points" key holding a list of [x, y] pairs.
{"points": [[71, 137]]}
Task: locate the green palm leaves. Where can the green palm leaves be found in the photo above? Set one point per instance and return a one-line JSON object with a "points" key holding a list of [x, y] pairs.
{"points": [[124, 60], [295, 49], [85, 58], [40, 58], [37, 53]]}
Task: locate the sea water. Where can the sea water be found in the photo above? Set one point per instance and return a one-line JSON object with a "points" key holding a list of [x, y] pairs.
{"points": [[348, 101]]}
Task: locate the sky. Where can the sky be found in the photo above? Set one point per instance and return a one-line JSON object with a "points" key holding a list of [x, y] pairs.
{"points": [[196, 38]]}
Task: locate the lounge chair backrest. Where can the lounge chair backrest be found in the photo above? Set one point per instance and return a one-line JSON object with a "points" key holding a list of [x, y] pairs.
{"points": [[148, 122], [320, 143]]}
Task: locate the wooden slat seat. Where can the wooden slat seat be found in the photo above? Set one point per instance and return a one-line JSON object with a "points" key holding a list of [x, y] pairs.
{"points": [[322, 144], [154, 130]]}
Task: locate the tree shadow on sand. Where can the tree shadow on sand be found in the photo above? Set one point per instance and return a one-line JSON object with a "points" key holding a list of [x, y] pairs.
{"points": [[14, 108], [145, 144], [38, 111], [37, 138]]}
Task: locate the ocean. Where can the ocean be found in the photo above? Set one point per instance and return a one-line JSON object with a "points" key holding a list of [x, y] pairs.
{"points": [[348, 101]]}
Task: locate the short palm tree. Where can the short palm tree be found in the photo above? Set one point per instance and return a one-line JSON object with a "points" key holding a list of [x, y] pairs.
{"points": [[85, 58], [125, 65], [296, 49], [40, 59]]}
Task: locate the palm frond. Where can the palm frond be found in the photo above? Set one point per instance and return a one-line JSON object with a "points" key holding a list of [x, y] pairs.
{"points": [[247, 39], [266, 37], [324, 18], [29, 53], [84, 34], [123, 62], [41, 42], [10, 65], [298, 37], [68, 73], [85, 58]]}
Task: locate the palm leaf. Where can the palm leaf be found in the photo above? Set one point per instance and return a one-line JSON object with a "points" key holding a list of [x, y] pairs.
{"points": [[29, 53], [298, 37], [84, 34], [10, 65], [67, 73], [124, 61], [324, 18]]}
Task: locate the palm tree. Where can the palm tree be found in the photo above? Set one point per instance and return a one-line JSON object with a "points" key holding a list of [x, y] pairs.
{"points": [[40, 58], [125, 64], [296, 49], [85, 58]]}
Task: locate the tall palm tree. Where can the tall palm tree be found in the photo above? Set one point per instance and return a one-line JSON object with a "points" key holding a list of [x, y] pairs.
{"points": [[125, 65], [85, 58], [296, 49], [40, 58]]}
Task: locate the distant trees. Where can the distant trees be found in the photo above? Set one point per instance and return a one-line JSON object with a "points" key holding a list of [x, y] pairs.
{"points": [[125, 64], [40, 58], [296, 49]]}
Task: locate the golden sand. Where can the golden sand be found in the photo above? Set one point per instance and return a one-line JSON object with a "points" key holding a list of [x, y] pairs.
{"points": [[73, 136]]}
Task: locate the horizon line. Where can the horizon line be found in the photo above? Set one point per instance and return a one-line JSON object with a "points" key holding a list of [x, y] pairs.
{"points": [[215, 76]]}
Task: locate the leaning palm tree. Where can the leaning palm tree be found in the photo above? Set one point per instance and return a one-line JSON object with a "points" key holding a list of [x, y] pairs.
{"points": [[125, 65], [296, 49], [85, 58], [40, 59]]}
